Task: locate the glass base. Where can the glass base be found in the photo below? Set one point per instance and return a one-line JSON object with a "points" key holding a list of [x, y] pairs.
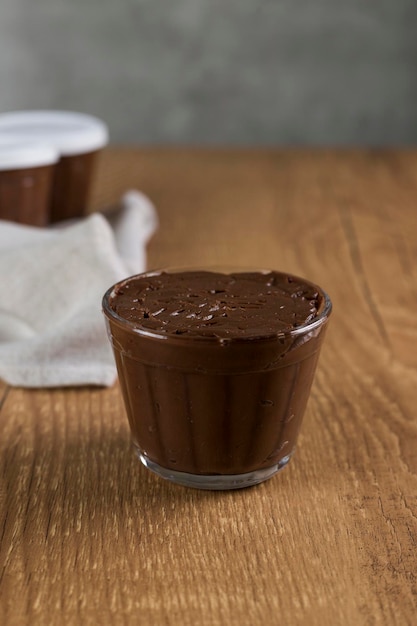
{"points": [[215, 481]]}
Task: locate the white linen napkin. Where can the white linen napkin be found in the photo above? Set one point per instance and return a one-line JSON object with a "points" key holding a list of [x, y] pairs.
{"points": [[52, 330]]}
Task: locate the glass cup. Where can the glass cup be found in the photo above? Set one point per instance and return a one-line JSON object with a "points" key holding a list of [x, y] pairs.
{"points": [[214, 413]]}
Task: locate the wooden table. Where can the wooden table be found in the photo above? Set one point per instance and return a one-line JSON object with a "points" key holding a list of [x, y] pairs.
{"points": [[88, 536]]}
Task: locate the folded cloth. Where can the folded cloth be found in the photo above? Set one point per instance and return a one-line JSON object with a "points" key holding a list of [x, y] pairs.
{"points": [[52, 331]]}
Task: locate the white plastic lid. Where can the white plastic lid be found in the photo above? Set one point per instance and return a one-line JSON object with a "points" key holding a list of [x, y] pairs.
{"points": [[16, 155], [70, 133]]}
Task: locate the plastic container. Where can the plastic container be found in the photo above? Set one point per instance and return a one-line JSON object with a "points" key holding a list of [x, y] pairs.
{"points": [[77, 137], [26, 177]]}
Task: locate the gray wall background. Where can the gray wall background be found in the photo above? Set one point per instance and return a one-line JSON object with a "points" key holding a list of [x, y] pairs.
{"points": [[237, 72]]}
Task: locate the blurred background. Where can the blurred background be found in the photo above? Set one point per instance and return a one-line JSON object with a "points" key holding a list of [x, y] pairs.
{"points": [[229, 72]]}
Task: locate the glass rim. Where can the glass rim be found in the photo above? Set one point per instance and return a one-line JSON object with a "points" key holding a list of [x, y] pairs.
{"points": [[303, 329]]}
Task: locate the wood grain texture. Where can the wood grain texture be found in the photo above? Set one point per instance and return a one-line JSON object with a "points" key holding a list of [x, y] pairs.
{"points": [[88, 536]]}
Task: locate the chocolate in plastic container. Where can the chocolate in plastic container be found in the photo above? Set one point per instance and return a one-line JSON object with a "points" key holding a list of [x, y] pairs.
{"points": [[77, 137], [26, 178]]}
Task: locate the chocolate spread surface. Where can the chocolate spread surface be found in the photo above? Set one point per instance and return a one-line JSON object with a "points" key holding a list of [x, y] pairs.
{"points": [[214, 304]]}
